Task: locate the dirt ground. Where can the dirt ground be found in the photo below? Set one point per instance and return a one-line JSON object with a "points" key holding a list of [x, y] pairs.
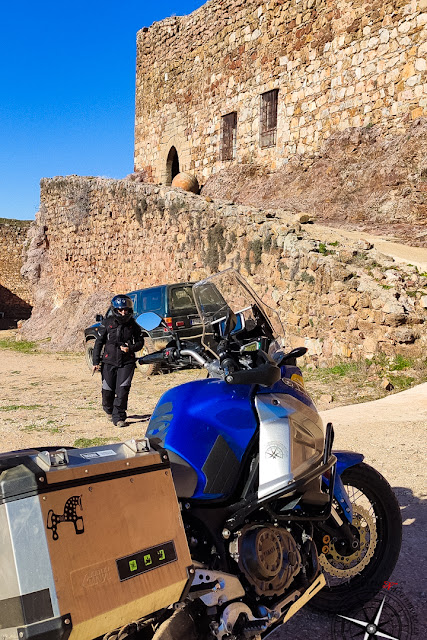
{"points": [[52, 399]]}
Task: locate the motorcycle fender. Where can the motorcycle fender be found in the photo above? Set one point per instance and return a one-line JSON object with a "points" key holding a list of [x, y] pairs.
{"points": [[345, 459]]}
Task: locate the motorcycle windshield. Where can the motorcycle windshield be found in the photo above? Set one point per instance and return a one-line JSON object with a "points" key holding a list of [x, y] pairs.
{"points": [[228, 291]]}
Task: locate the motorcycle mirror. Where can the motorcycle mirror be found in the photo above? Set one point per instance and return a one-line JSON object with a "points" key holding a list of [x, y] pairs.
{"points": [[149, 320], [230, 322], [291, 357], [99, 317], [297, 352]]}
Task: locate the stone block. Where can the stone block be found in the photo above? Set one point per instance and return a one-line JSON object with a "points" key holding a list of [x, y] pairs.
{"points": [[325, 399], [370, 346], [404, 335], [420, 64], [395, 319], [338, 285], [408, 71], [340, 324]]}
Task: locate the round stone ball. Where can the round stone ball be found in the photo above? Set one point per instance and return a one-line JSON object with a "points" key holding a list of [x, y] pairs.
{"points": [[186, 181]]}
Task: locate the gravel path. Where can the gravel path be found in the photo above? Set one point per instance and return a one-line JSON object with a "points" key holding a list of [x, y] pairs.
{"points": [[53, 399], [403, 253]]}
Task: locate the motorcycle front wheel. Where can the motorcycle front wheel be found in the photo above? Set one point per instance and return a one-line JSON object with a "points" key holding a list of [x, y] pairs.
{"points": [[353, 578]]}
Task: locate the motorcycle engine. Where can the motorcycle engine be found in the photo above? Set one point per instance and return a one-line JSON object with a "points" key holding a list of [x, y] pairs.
{"points": [[268, 556]]}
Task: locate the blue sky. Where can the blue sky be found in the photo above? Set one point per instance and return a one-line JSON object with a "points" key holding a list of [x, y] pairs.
{"points": [[67, 90]]}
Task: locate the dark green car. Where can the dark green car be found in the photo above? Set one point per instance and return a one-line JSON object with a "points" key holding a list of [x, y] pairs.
{"points": [[174, 303]]}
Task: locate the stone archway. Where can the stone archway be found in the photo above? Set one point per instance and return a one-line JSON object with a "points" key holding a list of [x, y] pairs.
{"points": [[172, 165], [169, 145]]}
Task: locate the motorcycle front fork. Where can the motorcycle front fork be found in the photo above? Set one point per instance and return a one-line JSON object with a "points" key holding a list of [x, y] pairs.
{"points": [[337, 531]]}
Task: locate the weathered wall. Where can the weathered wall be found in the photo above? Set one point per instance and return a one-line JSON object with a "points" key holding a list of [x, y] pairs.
{"points": [[95, 237], [337, 64], [15, 291], [361, 178]]}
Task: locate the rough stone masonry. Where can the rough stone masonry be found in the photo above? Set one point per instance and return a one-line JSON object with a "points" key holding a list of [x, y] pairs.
{"points": [[94, 237], [334, 64], [15, 291]]}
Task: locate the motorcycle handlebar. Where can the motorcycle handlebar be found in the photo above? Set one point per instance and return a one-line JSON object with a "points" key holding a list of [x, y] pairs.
{"points": [[161, 356], [266, 375]]}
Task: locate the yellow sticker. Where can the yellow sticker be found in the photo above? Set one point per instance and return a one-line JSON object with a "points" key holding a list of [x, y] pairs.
{"points": [[295, 377]]}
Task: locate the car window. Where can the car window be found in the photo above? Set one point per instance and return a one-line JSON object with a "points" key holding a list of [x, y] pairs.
{"points": [[182, 298], [132, 296], [209, 298], [152, 300]]}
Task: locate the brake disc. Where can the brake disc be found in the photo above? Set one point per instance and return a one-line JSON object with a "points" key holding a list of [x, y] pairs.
{"points": [[348, 566]]}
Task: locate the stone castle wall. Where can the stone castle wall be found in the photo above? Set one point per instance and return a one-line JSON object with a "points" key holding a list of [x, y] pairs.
{"points": [[336, 63], [15, 291], [96, 237]]}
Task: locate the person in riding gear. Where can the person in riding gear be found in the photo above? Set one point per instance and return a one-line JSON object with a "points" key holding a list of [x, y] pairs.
{"points": [[121, 338]]}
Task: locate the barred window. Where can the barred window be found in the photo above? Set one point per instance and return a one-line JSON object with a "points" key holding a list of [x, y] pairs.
{"points": [[228, 136], [268, 123]]}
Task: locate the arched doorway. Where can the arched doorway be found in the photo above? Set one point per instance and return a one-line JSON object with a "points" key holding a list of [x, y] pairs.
{"points": [[172, 165]]}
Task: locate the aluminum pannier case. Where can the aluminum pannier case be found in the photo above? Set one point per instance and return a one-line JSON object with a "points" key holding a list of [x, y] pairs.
{"points": [[90, 540]]}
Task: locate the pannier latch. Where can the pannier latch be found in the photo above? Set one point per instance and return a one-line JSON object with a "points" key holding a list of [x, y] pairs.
{"points": [[138, 445], [56, 458]]}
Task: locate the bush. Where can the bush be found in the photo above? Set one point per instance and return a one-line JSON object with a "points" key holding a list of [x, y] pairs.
{"points": [[399, 363]]}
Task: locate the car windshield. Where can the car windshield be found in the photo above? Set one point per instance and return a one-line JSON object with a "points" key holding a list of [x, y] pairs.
{"points": [[228, 291], [182, 298]]}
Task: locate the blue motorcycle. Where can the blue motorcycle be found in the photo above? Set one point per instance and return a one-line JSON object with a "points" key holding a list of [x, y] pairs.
{"points": [[274, 517]]}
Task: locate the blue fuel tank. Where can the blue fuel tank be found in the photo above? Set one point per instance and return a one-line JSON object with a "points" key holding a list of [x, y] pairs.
{"points": [[208, 424]]}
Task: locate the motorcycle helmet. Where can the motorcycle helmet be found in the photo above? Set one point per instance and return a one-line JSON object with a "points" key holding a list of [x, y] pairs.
{"points": [[119, 304]]}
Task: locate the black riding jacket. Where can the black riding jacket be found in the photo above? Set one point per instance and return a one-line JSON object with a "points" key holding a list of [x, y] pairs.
{"points": [[114, 334]]}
